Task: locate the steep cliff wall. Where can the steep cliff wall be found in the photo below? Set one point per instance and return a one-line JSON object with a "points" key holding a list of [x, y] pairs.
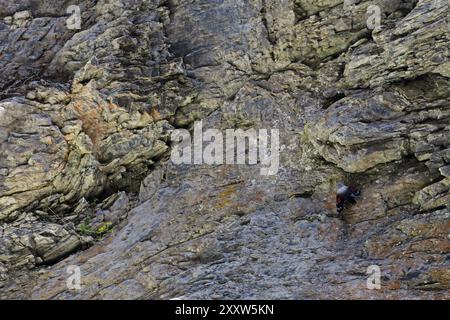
{"points": [[359, 91]]}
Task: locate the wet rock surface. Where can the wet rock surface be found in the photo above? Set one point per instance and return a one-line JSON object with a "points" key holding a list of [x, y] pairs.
{"points": [[85, 176]]}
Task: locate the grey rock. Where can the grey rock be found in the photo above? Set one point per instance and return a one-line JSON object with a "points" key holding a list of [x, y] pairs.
{"points": [[85, 123]]}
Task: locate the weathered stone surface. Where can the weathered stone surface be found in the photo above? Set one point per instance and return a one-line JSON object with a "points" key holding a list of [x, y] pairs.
{"points": [[417, 45], [85, 120]]}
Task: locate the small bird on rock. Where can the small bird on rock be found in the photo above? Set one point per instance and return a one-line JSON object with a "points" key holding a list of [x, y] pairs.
{"points": [[345, 194]]}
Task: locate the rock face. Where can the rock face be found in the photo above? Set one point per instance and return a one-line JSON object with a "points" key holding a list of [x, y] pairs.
{"points": [[359, 91]]}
